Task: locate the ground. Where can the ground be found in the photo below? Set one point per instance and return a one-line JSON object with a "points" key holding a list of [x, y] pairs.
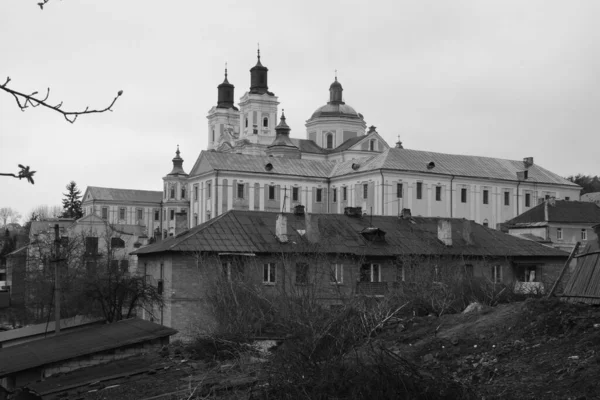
{"points": [[536, 349]]}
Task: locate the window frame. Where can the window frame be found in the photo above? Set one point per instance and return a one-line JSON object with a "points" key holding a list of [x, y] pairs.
{"points": [[372, 267], [139, 214], [196, 192], [345, 193], [463, 195], [334, 195], [183, 191], [329, 141], [271, 193], [172, 192], [172, 214], [399, 190], [336, 274], [485, 196], [208, 189], [496, 274], [365, 191], [269, 272], [527, 199], [506, 198], [265, 123], [295, 193], [584, 234], [438, 193], [242, 187], [319, 195], [559, 234], [104, 213], [156, 215], [122, 213], [419, 191]]}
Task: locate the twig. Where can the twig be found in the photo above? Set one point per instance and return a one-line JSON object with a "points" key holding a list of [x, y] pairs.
{"points": [[25, 100], [23, 173]]}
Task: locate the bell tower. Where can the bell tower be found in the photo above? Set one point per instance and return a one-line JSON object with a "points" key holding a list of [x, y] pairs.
{"points": [[224, 118]]}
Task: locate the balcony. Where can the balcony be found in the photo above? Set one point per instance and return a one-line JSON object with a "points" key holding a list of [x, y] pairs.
{"points": [[372, 288]]}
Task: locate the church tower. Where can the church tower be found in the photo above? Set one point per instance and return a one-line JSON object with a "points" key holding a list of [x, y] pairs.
{"points": [[283, 146], [258, 112], [224, 118], [175, 200]]}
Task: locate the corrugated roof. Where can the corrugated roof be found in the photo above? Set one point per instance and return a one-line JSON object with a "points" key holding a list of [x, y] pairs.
{"points": [[238, 231], [559, 211], [126, 195], [584, 284], [281, 165], [39, 329], [79, 343]]}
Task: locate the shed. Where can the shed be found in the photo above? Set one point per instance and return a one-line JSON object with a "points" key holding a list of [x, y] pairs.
{"points": [[584, 284]]}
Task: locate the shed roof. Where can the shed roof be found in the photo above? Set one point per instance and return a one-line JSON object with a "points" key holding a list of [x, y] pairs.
{"points": [[238, 231], [559, 211], [38, 329], [584, 284], [593, 197], [79, 343]]}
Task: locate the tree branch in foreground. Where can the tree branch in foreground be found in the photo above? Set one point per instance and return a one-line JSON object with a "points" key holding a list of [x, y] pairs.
{"points": [[23, 173], [24, 101]]}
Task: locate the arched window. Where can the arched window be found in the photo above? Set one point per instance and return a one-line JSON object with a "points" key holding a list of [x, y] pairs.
{"points": [[329, 141], [183, 192], [266, 122], [173, 191]]}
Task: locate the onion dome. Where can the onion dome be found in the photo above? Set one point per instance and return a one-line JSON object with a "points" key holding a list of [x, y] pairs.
{"points": [[258, 78], [226, 94]]}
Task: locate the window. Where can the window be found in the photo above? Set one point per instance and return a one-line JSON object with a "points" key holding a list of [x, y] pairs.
{"points": [[419, 190], [438, 193], [399, 190], [172, 211], [104, 212], [400, 273], [334, 195], [195, 219], [301, 273], [486, 196], [208, 189], [91, 245], [269, 273], [165, 190], [265, 122], [527, 199], [366, 191], [319, 195], [121, 213], [232, 271], [526, 273], [337, 274], [271, 192], [583, 234], [156, 215], [195, 192], [496, 273], [140, 214], [567, 198], [294, 194], [463, 195], [372, 145], [370, 273], [117, 243], [559, 234], [507, 198], [345, 193], [240, 190], [246, 121], [172, 191], [183, 192], [329, 140], [213, 134], [164, 215], [486, 223]]}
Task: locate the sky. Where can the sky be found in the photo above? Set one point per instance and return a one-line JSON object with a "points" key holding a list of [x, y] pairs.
{"points": [[507, 79]]}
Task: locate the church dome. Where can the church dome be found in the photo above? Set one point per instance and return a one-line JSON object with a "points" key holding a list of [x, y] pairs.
{"points": [[336, 110]]}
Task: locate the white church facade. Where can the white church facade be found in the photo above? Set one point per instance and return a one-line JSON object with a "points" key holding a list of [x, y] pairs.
{"points": [[252, 163]]}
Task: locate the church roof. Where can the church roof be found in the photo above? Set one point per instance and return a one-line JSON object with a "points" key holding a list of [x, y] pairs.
{"points": [[308, 146], [336, 110], [123, 195]]}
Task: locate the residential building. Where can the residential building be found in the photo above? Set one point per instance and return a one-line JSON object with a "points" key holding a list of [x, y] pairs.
{"points": [[334, 256], [559, 223], [252, 163], [593, 197]]}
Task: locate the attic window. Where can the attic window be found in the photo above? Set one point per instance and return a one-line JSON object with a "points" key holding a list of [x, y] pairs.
{"points": [[431, 165], [268, 167], [355, 166], [373, 234]]}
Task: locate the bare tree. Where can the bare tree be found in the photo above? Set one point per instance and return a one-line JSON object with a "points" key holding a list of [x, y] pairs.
{"points": [[9, 215]]}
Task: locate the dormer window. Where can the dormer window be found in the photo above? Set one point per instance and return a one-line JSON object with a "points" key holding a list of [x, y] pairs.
{"points": [[329, 141], [372, 145]]}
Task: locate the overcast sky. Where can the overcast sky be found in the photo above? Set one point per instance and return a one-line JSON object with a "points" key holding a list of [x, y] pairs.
{"points": [[506, 79]]}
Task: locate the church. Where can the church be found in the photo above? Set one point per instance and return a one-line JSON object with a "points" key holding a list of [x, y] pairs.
{"points": [[252, 163]]}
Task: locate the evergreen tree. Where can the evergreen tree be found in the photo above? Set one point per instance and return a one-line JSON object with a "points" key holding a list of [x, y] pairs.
{"points": [[72, 202]]}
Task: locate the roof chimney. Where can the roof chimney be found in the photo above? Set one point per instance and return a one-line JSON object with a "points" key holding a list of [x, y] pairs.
{"points": [[281, 228], [299, 209], [546, 210], [405, 214], [467, 232], [312, 228], [353, 211], [528, 162], [445, 231]]}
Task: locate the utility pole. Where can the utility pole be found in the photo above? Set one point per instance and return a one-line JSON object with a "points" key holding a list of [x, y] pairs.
{"points": [[56, 279]]}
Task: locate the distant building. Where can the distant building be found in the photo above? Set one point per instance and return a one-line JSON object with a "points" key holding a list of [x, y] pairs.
{"points": [[591, 197], [332, 256], [559, 223], [252, 163]]}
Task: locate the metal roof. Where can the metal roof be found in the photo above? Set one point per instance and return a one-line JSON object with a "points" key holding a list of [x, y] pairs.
{"points": [[558, 211], [584, 284], [39, 329], [238, 231], [79, 343], [593, 197], [125, 195]]}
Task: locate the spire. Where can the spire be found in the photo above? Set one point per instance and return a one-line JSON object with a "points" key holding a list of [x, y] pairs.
{"points": [[258, 77], [335, 92], [226, 93], [177, 164], [399, 143]]}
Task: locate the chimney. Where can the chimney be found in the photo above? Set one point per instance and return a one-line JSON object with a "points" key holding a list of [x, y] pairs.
{"points": [[353, 211], [281, 228], [445, 231], [299, 209], [546, 210], [405, 214], [467, 232], [181, 222], [528, 162], [312, 228]]}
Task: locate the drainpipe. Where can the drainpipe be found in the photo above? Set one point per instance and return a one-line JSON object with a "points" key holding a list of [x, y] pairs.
{"points": [[216, 211], [451, 202], [382, 193], [518, 183], [328, 195]]}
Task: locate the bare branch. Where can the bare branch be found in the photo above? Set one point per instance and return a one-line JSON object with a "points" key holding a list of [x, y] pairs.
{"points": [[43, 2], [23, 173], [25, 100]]}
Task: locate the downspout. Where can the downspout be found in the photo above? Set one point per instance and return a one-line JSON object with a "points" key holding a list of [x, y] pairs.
{"points": [[162, 218], [216, 193], [382, 193], [451, 201], [518, 183], [328, 195]]}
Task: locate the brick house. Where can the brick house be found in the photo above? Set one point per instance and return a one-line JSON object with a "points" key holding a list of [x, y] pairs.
{"points": [[332, 255]]}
